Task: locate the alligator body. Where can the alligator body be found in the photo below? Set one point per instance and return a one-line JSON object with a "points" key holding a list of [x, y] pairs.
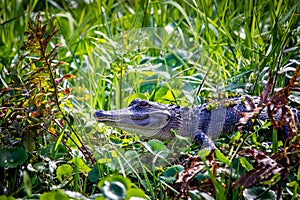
{"points": [[156, 120]]}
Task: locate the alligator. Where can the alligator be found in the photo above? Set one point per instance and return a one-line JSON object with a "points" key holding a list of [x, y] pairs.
{"points": [[202, 123]]}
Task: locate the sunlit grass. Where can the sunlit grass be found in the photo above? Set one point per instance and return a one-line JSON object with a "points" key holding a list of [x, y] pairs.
{"points": [[235, 45]]}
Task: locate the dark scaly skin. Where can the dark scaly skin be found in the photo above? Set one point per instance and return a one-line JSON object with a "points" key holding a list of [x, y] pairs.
{"points": [[202, 123]]}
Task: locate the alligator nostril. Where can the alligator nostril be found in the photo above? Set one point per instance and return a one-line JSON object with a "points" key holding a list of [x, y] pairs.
{"points": [[98, 113]]}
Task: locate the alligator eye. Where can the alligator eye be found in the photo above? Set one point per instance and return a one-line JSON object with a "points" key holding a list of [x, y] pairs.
{"points": [[144, 103]]}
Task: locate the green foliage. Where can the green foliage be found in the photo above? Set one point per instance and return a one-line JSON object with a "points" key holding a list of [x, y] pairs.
{"points": [[11, 158], [245, 164], [54, 195], [31, 108], [45, 126], [259, 192], [64, 171], [157, 147], [170, 174], [119, 187], [6, 198], [220, 156]]}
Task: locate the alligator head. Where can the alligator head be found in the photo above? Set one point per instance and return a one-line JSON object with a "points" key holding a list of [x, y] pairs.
{"points": [[150, 119]]}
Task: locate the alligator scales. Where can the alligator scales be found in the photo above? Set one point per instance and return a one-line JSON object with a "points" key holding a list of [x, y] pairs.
{"points": [[155, 120]]}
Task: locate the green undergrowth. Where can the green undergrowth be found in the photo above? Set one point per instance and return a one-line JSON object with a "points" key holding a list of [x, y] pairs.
{"points": [[62, 60]]}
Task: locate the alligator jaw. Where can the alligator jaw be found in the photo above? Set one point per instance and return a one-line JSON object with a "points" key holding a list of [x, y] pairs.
{"points": [[138, 117]]}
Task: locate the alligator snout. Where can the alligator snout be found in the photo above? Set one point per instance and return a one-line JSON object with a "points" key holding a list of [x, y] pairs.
{"points": [[99, 113], [103, 116]]}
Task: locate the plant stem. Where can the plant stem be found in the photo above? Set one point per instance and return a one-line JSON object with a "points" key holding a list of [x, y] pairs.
{"points": [[83, 149]]}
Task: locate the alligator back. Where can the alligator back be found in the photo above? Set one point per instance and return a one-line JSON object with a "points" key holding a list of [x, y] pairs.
{"points": [[239, 113]]}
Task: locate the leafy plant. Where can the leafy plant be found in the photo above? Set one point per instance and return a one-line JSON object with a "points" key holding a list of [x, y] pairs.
{"points": [[32, 108], [235, 49]]}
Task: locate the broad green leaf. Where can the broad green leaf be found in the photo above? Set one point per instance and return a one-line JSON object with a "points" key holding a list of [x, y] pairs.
{"points": [[93, 175], [114, 190], [161, 92], [170, 175], [259, 193], [114, 154], [12, 157], [236, 136], [203, 153], [82, 166], [157, 147], [222, 158], [64, 171], [116, 178], [201, 176], [169, 96], [54, 195], [135, 193], [244, 162]]}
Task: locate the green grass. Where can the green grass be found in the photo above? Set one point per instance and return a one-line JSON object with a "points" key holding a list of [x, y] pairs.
{"points": [[229, 46]]}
